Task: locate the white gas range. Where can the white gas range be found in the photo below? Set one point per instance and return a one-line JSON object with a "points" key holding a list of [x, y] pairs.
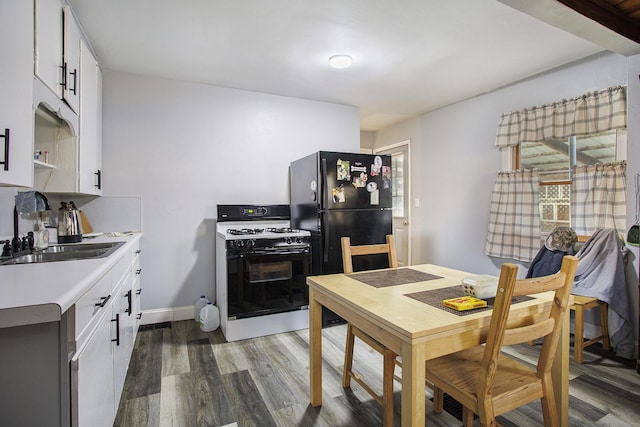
{"points": [[261, 270]]}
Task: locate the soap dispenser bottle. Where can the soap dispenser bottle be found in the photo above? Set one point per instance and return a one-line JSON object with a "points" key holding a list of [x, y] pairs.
{"points": [[41, 234]]}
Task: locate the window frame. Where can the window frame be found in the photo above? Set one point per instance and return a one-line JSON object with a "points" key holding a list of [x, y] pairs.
{"points": [[511, 162]]}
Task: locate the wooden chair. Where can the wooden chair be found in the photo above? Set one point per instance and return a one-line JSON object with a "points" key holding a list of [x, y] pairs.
{"points": [[386, 400], [579, 306], [489, 383]]}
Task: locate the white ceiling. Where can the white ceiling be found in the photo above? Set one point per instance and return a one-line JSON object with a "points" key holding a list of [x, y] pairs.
{"points": [[410, 56]]}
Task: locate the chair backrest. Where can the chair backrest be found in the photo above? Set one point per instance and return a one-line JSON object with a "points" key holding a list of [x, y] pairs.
{"points": [[348, 252], [548, 326]]}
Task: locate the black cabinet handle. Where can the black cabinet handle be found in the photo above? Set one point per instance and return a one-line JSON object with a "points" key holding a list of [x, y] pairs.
{"points": [[75, 81], [138, 271], [139, 291], [117, 320], [64, 75], [103, 301], [128, 295], [98, 174], [6, 149], [138, 251], [139, 316]]}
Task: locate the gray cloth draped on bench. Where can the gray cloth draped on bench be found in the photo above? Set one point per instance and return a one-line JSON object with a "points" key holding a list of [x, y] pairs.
{"points": [[601, 275]]}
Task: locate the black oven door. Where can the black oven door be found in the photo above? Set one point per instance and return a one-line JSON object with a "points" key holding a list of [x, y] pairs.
{"points": [[267, 281]]}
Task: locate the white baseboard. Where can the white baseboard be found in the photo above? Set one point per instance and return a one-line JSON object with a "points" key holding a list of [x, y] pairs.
{"points": [[166, 315]]}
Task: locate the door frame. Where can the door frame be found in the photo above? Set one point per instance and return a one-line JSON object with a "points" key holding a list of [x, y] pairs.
{"points": [[407, 188]]}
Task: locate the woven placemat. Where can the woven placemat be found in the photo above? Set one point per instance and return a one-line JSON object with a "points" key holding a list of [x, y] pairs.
{"points": [[434, 298], [401, 276]]}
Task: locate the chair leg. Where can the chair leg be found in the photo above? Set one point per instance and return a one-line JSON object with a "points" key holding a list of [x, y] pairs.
{"points": [[604, 322], [467, 417], [548, 401], [348, 358], [486, 415], [578, 344], [438, 400], [387, 387]]}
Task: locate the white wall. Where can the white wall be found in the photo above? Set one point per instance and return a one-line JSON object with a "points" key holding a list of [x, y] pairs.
{"points": [[454, 161], [186, 148]]}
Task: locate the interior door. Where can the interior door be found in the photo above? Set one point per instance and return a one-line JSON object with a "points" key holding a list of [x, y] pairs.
{"points": [[400, 187]]}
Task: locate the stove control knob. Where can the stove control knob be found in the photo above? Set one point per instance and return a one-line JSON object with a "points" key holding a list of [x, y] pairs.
{"points": [[288, 240], [298, 240], [239, 243], [251, 243]]}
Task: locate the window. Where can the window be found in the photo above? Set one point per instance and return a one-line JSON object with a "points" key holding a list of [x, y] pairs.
{"points": [[397, 184], [555, 159], [578, 174]]}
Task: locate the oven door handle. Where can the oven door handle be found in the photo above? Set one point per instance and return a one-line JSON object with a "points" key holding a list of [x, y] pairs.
{"points": [[275, 252]]}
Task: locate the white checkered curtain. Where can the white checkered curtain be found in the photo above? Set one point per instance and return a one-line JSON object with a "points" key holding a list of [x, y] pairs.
{"points": [[514, 219], [591, 113], [598, 197]]}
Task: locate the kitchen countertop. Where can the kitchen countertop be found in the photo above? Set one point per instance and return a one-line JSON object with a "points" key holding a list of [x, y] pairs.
{"points": [[41, 292]]}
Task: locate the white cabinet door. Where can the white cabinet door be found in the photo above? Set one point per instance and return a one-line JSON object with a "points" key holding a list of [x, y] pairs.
{"points": [[71, 61], [48, 44], [16, 87], [92, 400], [123, 346], [137, 289], [90, 123]]}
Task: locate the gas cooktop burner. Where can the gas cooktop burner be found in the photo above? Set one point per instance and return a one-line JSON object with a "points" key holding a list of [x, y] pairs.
{"points": [[281, 230], [245, 231]]}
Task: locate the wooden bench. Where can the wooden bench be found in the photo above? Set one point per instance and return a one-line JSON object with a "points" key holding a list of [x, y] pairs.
{"points": [[580, 304]]}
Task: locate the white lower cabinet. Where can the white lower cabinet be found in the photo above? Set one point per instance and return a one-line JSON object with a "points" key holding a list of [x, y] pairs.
{"points": [[125, 334], [70, 370], [99, 368], [92, 399], [137, 289]]}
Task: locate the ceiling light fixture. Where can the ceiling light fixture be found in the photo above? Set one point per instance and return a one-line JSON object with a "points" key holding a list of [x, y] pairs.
{"points": [[340, 61]]}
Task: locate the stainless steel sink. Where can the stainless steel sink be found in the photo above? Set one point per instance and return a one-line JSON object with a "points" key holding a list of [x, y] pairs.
{"points": [[68, 252], [81, 247]]}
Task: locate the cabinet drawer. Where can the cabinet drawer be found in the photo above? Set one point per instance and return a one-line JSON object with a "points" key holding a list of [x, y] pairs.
{"points": [[120, 269], [91, 303]]}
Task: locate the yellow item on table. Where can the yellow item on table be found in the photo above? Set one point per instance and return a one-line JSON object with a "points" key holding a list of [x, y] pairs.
{"points": [[464, 303]]}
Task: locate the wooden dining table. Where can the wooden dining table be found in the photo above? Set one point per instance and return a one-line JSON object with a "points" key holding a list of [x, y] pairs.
{"points": [[402, 309]]}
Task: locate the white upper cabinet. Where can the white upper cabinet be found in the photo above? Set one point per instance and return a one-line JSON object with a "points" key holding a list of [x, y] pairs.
{"points": [[90, 123], [57, 50], [48, 44], [71, 60], [16, 86], [59, 112]]}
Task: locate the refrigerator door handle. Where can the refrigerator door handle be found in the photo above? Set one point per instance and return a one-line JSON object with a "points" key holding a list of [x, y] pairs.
{"points": [[325, 205], [325, 236], [323, 181]]}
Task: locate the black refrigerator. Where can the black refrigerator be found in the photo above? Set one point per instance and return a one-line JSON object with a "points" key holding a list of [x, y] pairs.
{"points": [[341, 194]]}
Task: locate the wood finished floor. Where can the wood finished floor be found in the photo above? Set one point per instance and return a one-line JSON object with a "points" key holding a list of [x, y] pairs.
{"points": [[181, 376]]}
